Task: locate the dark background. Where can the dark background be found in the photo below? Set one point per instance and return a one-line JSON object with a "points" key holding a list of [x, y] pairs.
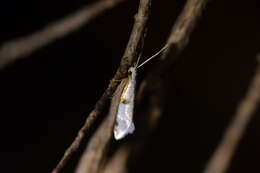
{"points": [[45, 98]]}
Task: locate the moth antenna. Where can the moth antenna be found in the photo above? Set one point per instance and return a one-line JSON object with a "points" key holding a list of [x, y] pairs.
{"points": [[138, 59], [162, 49]]}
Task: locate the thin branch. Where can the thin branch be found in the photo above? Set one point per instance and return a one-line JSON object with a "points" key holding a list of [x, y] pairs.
{"points": [[24, 46], [117, 164], [128, 59], [90, 161], [184, 25], [221, 158]]}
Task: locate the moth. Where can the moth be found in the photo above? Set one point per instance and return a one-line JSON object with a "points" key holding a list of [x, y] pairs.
{"points": [[124, 119]]}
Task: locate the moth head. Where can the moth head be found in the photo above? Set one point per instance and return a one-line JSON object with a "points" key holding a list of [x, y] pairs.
{"points": [[132, 71]]}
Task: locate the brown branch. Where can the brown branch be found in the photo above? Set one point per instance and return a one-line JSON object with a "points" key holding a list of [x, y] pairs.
{"points": [[90, 161], [128, 59], [117, 164], [221, 158], [184, 26], [24, 46]]}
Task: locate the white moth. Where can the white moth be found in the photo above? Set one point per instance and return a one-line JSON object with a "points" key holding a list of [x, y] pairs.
{"points": [[124, 119]]}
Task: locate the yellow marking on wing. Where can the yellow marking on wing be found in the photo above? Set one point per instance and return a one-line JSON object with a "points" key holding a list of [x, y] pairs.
{"points": [[124, 90]]}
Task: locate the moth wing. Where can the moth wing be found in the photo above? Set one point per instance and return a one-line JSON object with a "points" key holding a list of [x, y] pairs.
{"points": [[131, 128], [124, 120], [124, 123]]}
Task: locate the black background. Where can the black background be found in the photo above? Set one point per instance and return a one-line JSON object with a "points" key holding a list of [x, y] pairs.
{"points": [[45, 98]]}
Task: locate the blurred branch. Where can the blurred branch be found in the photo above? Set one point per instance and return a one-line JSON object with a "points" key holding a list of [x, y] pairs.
{"points": [[24, 46], [221, 158], [128, 59], [184, 26], [117, 164], [91, 159]]}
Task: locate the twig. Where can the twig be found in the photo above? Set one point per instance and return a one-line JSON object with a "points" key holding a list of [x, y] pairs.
{"points": [[184, 26], [95, 151], [117, 164], [128, 59], [221, 158], [24, 46]]}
